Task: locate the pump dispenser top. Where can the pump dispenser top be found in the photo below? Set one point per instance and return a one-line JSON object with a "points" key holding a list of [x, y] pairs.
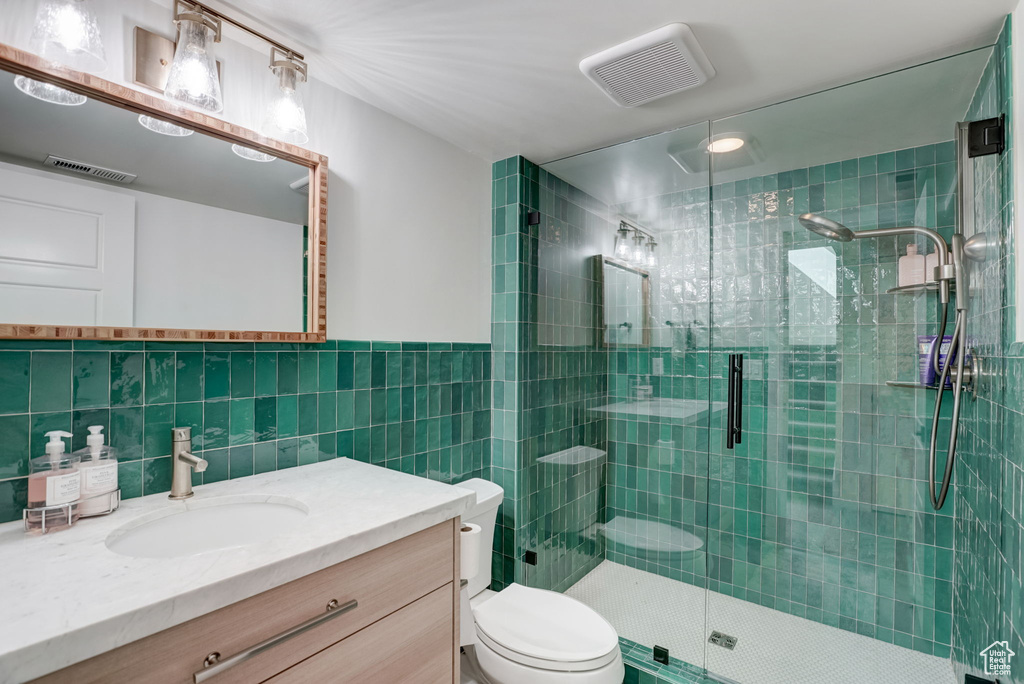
{"points": [[55, 447]]}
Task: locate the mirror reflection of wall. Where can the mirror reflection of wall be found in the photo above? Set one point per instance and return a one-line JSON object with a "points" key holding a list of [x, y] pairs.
{"points": [[106, 222], [626, 304]]}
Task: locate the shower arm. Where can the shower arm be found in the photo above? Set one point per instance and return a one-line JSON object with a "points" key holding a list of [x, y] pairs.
{"points": [[945, 271]]}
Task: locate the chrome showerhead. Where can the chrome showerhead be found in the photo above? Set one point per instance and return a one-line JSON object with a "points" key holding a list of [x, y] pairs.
{"points": [[833, 230]]}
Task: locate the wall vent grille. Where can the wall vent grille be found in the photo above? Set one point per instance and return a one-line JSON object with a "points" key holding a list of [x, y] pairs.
{"points": [[651, 66], [112, 175]]}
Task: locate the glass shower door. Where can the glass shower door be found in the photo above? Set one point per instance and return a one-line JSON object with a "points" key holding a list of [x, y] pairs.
{"points": [[820, 530], [623, 248]]}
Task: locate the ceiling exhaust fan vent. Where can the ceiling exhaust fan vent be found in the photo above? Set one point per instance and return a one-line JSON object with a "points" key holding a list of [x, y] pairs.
{"points": [[665, 61], [301, 185], [83, 168]]}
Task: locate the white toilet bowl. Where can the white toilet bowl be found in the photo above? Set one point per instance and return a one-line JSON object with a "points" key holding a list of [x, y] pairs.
{"points": [[523, 635], [532, 636]]}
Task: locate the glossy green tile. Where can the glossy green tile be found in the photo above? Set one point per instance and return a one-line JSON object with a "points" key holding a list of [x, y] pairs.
{"points": [[159, 420], [127, 374], [160, 373], [217, 375], [51, 381], [216, 424], [266, 374], [91, 379], [307, 414], [242, 421], [265, 420], [243, 374], [129, 478], [156, 475], [240, 461], [265, 457], [14, 381], [309, 378], [217, 469], [287, 373], [14, 446], [287, 453], [189, 374]]}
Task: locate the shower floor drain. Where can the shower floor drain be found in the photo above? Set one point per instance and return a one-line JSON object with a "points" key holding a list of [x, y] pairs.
{"points": [[723, 640]]}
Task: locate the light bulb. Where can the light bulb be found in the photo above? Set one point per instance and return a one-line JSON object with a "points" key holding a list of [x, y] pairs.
{"points": [[193, 79], [286, 115], [723, 145], [251, 154], [652, 260], [67, 32], [48, 92], [639, 253], [164, 127]]}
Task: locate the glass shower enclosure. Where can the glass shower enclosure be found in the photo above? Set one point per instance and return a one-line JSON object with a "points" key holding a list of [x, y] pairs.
{"points": [[718, 453]]}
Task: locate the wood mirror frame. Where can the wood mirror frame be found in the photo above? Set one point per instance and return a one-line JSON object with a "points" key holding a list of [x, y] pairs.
{"points": [[19, 62]]}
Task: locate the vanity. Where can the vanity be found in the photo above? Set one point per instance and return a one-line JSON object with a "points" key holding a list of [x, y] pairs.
{"points": [[357, 582]]}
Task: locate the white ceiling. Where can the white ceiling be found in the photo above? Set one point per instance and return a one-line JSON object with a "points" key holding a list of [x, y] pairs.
{"points": [[501, 78]]}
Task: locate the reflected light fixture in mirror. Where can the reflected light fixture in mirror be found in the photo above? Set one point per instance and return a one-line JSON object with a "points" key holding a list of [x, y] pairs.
{"points": [[622, 243], [164, 127], [652, 260], [286, 115], [66, 32], [639, 250], [193, 79], [251, 154]]}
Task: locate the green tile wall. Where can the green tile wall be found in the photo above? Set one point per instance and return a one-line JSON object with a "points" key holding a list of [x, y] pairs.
{"points": [[416, 407], [988, 594], [549, 374]]}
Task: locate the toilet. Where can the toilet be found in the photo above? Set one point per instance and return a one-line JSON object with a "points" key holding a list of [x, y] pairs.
{"points": [[523, 635]]}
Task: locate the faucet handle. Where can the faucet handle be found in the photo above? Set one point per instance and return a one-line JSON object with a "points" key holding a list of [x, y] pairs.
{"points": [[181, 434]]}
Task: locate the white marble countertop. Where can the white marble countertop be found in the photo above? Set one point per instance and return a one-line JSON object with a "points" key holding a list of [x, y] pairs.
{"points": [[65, 597]]}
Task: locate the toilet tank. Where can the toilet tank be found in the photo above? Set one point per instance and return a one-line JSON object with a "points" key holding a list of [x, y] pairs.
{"points": [[485, 514]]}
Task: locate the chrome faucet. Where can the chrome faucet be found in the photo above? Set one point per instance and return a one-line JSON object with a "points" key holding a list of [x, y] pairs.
{"points": [[183, 461]]}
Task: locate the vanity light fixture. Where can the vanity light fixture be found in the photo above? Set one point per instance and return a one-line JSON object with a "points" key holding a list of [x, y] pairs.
{"points": [[193, 79], [251, 154], [164, 127], [286, 115], [639, 249], [652, 259], [66, 32], [622, 241]]}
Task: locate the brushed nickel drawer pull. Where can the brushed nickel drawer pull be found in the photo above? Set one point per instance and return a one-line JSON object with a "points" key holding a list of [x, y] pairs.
{"points": [[214, 665]]}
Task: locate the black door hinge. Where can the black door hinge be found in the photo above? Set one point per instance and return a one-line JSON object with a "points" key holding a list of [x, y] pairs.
{"points": [[987, 136], [661, 655], [530, 557], [533, 218]]}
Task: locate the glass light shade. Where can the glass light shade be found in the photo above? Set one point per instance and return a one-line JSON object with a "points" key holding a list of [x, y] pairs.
{"points": [[622, 245], [286, 115], [164, 127], [67, 32], [48, 92], [251, 154], [193, 78], [639, 252], [652, 260]]}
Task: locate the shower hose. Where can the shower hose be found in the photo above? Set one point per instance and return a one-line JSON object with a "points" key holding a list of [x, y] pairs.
{"points": [[957, 347]]}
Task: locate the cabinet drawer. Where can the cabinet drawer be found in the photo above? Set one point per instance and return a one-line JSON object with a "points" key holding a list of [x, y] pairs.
{"points": [[411, 645], [382, 581]]}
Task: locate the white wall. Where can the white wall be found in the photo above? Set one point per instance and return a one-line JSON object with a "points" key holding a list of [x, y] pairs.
{"points": [[408, 216]]}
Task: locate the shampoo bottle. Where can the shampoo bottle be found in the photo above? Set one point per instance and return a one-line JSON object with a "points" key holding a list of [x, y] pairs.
{"points": [[99, 475], [54, 486], [911, 270], [930, 264]]}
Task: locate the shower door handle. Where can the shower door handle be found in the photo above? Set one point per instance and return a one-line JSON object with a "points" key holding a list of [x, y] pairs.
{"points": [[734, 406]]}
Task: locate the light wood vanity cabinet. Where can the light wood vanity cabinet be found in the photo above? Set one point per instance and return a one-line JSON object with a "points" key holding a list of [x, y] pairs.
{"points": [[404, 628]]}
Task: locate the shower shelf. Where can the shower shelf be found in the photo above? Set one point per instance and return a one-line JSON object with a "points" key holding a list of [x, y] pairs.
{"points": [[910, 385], [920, 288]]}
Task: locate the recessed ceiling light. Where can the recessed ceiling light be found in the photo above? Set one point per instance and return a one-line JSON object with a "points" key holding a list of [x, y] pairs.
{"points": [[725, 145]]}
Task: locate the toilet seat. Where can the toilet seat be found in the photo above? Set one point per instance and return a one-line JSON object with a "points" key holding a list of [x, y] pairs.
{"points": [[545, 630]]}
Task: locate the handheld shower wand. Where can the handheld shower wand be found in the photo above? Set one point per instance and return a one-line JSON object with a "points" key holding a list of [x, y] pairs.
{"points": [[951, 268]]}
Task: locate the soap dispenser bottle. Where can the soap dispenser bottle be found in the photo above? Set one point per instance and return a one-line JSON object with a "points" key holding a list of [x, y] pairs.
{"points": [[98, 466], [911, 268], [54, 486]]}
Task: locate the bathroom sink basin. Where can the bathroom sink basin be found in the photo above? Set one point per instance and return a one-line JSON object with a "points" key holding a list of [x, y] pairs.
{"points": [[194, 527]]}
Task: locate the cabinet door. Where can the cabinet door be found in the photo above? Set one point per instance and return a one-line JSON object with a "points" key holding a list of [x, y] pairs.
{"points": [[413, 644]]}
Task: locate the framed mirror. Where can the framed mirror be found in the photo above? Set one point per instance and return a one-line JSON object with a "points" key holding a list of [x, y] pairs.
{"points": [[625, 309], [124, 216]]}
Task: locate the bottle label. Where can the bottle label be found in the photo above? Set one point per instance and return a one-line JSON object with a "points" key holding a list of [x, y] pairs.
{"points": [[62, 489], [100, 479]]}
